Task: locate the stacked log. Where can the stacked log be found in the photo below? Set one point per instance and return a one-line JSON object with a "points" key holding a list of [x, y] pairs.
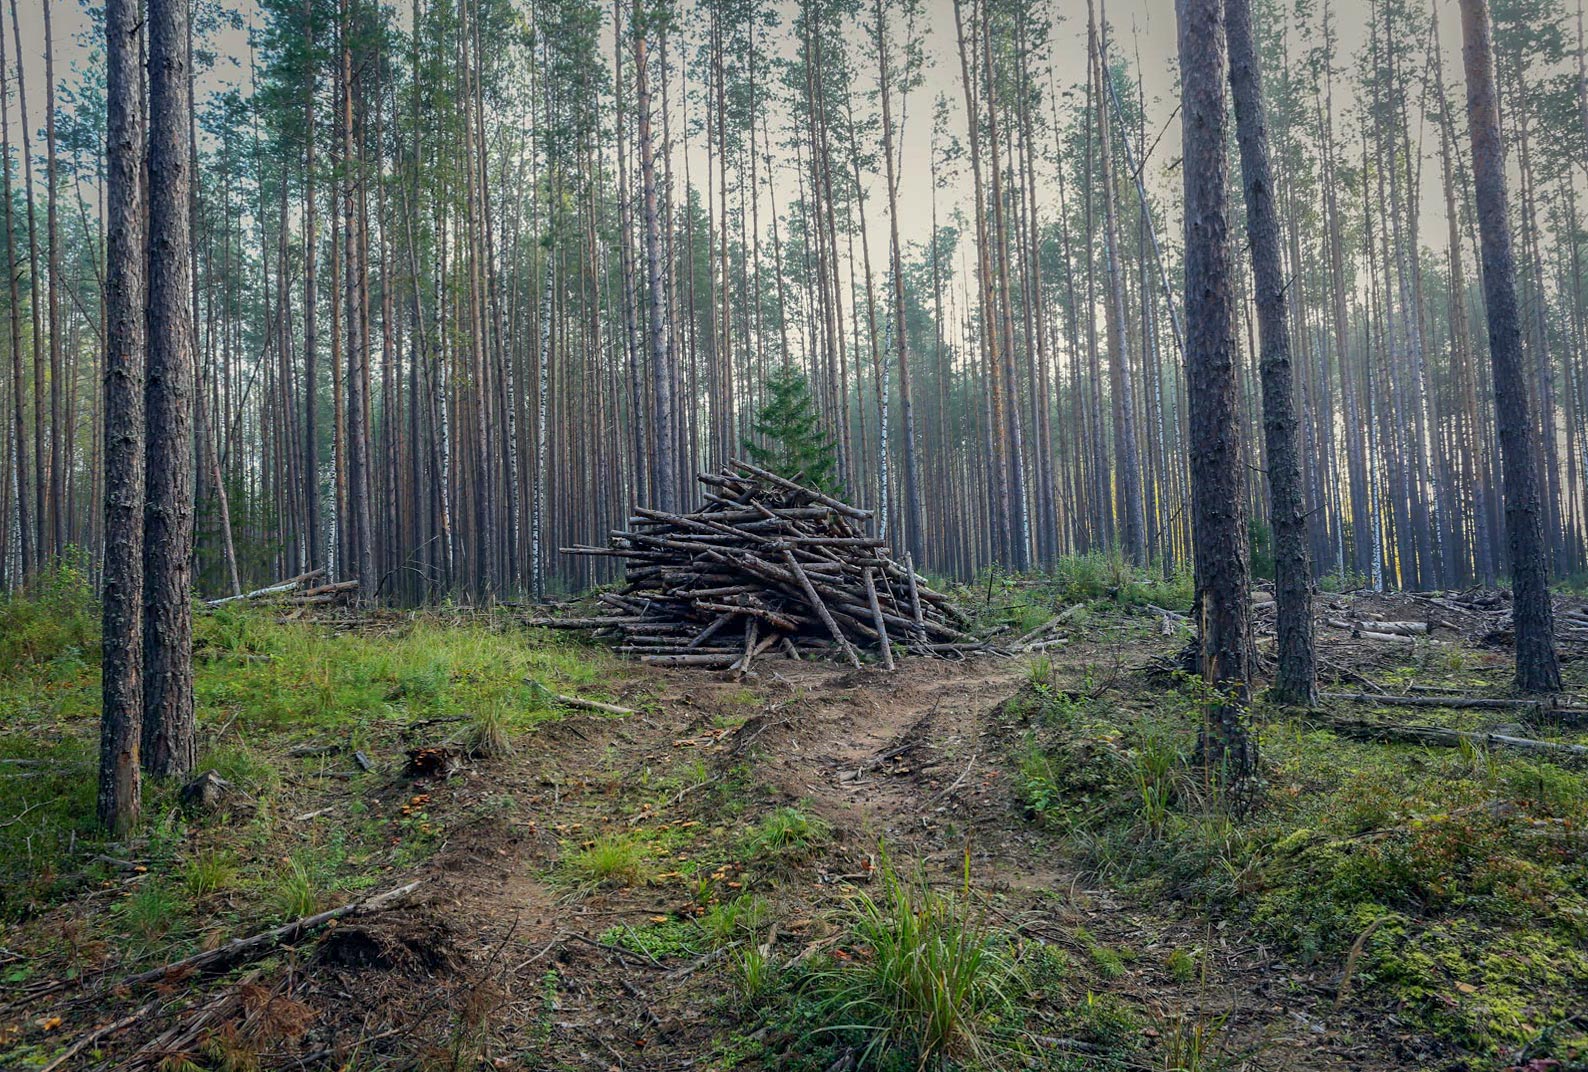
{"points": [[766, 566]]}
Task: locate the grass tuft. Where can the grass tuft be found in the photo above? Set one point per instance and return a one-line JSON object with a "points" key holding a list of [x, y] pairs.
{"points": [[151, 913], [297, 893], [786, 834], [206, 873], [926, 975], [487, 735], [609, 860]]}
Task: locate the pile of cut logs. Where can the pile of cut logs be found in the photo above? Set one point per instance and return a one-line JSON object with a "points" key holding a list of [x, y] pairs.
{"points": [[766, 565]]}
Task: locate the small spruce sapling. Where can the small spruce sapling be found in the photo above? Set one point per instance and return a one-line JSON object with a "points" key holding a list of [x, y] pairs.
{"points": [[789, 438]]}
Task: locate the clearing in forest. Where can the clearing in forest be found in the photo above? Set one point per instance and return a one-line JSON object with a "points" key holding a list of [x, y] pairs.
{"points": [[979, 863]]}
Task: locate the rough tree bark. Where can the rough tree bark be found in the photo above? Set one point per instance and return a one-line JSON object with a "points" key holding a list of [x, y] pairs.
{"points": [[1537, 665], [1295, 679], [664, 478], [168, 729], [26, 536], [1218, 474], [914, 513], [59, 456], [42, 529], [1127, 454], [311, 293], [121, 718], [359, 517]]}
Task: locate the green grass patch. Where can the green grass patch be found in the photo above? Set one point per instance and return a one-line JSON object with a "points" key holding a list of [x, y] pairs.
{"points": [[262, 688], [786, 834], [609, 860], [734, 923], [1021, 602], [923, 974], [1460, 875]]}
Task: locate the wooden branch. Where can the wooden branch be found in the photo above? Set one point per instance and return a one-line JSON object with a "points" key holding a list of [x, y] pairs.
{"points": [[1449, 738], [837, 505], [583, 623], [710, 630], [98, 1033], [915, 595], [821, 609], [242, 949], [578, 702], [876, 616], [771, 617]]}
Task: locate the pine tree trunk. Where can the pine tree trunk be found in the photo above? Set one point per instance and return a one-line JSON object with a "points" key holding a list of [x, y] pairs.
{"points": [[1218, 474], [913, 515], [361, 552], [43, 541], [27, 536], [59, 458], [1002, 532], [1123, 395], [168, 727], [121, 716], [311, 297], [1537, 666], [1295, 679], [664, 478], [1012, 432]]}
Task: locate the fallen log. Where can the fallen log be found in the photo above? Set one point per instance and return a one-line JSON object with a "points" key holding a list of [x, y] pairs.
{"points": [[1040, 645], [584, 623], [1398, 628], [1388, 638], [1481, 703], [1449, 738], [690, 660], [279, 588], [242, 949], [578, 701]]}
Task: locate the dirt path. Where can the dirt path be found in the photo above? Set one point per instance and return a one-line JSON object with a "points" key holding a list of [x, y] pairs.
{"points": [[504, 959], [919, 761]]}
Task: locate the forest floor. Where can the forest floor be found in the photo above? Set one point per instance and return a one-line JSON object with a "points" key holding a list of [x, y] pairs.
{"points": [[1010, 863]]}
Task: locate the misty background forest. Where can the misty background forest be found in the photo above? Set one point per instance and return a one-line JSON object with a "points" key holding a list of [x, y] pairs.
{"points": [[432, 246]]}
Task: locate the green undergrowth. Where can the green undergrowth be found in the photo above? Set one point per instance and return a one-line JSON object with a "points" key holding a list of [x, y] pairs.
{"points": [[895, 973], [1451, 884], [282, 710], [914, 975], [1021, 602]]}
